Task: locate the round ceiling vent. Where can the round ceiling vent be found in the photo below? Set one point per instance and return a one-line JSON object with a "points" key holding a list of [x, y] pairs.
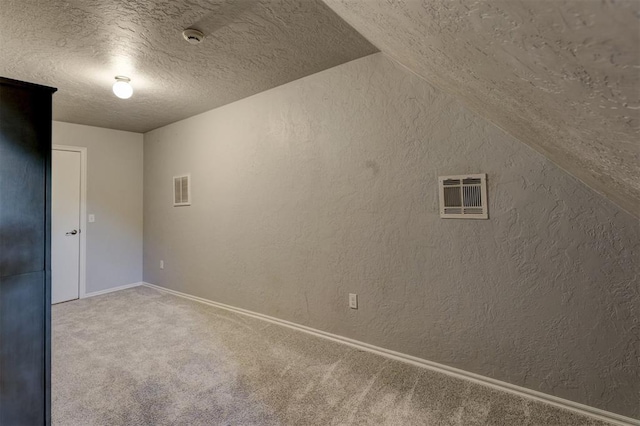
{"points": [[193, 36]]}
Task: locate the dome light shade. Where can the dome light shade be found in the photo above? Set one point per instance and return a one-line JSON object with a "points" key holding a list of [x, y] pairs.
{"points": [[122, 88]]}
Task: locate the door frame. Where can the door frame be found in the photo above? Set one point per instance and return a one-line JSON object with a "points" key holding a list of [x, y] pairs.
{"points": [[83, 214]]}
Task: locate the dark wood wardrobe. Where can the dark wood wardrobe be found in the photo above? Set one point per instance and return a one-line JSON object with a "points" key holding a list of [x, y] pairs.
{"points": [[25, 256]]}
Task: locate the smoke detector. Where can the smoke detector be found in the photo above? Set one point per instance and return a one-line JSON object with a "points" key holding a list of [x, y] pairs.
{"points": [[193, 36]]}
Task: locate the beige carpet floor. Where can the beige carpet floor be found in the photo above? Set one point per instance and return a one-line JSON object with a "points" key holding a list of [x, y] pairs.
{"points": [[144, 357]]}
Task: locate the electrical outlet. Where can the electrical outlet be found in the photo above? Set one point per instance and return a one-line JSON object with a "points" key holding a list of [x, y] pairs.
{"points": [[162, 264], [353, 301]]}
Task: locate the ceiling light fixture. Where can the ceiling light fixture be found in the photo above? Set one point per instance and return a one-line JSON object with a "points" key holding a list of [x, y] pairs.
{"points": [[122, 88]]}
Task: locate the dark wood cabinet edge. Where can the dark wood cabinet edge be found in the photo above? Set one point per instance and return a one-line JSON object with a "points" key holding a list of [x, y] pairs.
{"points": [[43, 91], [17, 83]]}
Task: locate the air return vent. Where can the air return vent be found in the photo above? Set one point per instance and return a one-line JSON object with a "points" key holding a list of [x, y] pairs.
{"points": [[463, 196], [182, 190]]}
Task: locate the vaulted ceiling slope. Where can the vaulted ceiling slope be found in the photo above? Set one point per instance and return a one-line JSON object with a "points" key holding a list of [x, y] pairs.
{"points": [[561, 76], [79, 46]]}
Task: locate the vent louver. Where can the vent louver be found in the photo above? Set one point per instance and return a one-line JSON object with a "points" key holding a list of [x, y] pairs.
{"points": [[182, 190], [463, 196]]}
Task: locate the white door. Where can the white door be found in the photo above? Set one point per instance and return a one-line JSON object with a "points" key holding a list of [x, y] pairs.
{"points": [[65, 226]]}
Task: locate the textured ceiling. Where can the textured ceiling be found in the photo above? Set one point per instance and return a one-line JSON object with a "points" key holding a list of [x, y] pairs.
{"points": [[561, 76], [79, 46]]}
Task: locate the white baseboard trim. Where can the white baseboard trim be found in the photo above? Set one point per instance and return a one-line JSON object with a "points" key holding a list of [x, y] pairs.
{"points": [[111, 290], [566, 404]]}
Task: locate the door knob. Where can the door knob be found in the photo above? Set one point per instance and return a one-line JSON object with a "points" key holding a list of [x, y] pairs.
{"points": [[74, 232]]}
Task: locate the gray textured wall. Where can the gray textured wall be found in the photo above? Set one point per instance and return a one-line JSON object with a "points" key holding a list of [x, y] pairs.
{"points": [[114, 195], [561, 76], [327, 185]]}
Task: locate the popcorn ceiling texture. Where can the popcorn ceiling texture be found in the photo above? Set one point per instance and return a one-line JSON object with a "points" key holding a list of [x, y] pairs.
{"points": [[79, 46], [561, 76], [328, 185]]}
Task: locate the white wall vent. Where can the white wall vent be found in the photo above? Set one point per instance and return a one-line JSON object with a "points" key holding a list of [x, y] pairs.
{"points": [[182, 190], [463, 196]]}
